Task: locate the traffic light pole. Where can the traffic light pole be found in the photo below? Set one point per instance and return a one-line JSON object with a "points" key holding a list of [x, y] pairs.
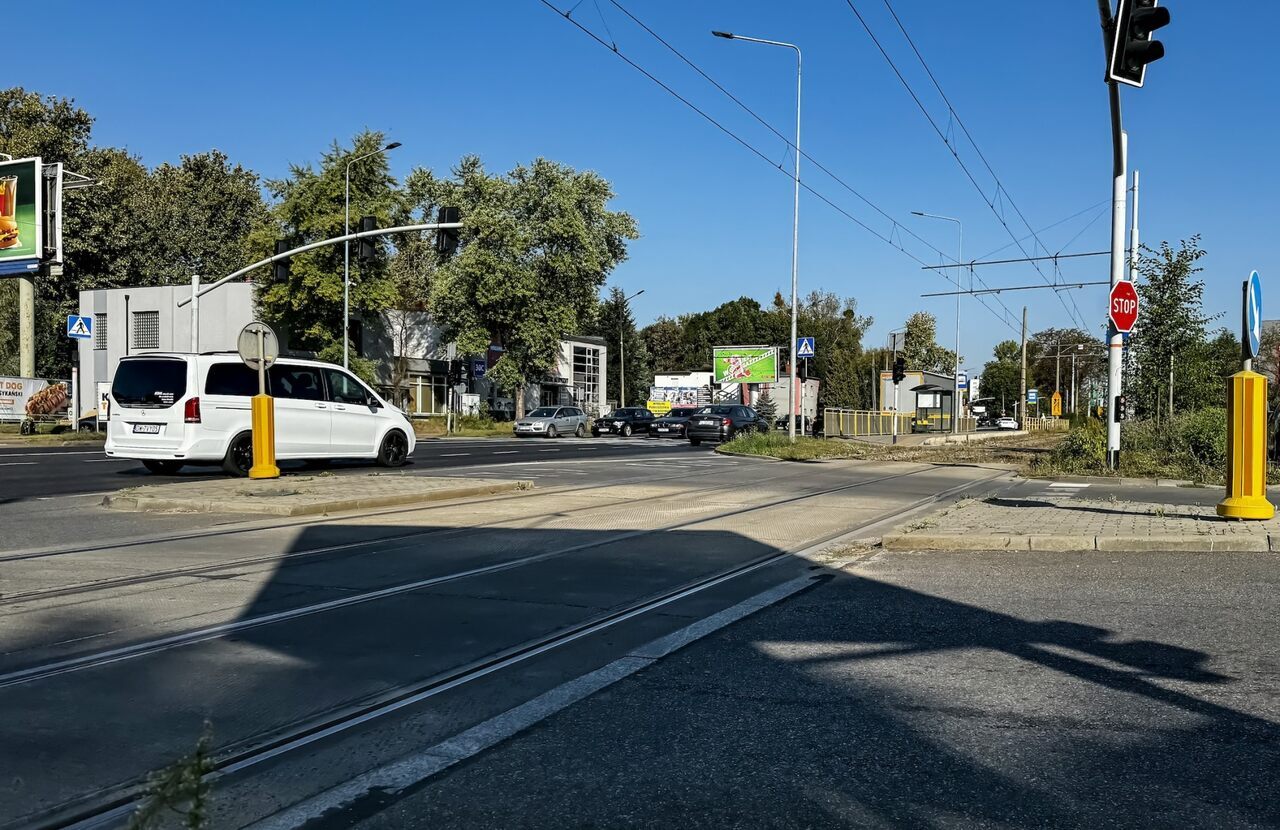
{"points": [[1115, 340]]}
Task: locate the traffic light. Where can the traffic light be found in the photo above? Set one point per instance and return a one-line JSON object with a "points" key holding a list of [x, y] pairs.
{"points": [[280, 268], [447, 238], [365, 253], [455, 372], [1132, 47], [1122, 407], [899, 369]]}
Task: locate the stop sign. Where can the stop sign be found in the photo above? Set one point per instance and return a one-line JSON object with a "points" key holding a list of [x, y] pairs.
{"points": [[1124, 306]]}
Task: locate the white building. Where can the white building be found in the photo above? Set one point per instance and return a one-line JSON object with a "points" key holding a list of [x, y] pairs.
{"points": [[406, 347], [135, 320]]}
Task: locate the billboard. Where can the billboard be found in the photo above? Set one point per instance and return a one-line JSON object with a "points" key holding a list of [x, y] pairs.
{"points": [[745, 364], [24, 397], [21, 210]]}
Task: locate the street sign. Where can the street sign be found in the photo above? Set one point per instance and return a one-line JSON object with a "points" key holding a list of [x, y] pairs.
{"points": [[79, 328], [1033, 396], [804, 347], [257, 344], [1123, 306], [478, 367], [962, 381], [1056, 405], [1252, 316]]}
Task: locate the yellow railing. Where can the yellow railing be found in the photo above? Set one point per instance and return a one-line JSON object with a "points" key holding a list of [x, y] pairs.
{"points": [[1046, 424], [850, 423]]}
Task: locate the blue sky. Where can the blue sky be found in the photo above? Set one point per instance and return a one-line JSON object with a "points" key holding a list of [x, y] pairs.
{"points": [[274, 83]]}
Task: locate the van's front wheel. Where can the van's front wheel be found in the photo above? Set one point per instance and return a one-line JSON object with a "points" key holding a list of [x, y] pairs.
{"points": [[394, 450], [239, 456]]}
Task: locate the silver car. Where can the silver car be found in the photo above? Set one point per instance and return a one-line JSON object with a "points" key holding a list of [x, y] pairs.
{"points": [[551, 421]]}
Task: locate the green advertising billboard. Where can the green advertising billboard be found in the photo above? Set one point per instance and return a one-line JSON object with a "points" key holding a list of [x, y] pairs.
{"points": [[20, 210], [745, 364]]}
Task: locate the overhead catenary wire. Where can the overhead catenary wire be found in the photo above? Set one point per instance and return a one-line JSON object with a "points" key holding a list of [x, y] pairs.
{"points": [[1077, 316], [612, 47]]}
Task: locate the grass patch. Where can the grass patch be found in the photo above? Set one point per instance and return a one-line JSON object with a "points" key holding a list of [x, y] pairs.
{"points": [[467, 426], [777, 445]]}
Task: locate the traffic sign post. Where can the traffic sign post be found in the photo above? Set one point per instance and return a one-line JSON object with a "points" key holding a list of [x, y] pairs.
{"points": [[259, 349], [804, 347], [79, 327], [1056, 405], [1247, 421], [1123, 306]]}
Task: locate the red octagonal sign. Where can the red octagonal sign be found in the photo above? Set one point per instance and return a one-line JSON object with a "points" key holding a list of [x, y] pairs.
{"points": [[1124, 306]]}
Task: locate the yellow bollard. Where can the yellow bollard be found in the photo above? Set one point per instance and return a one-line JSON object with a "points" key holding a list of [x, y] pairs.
{"points": [[1247, 449], [264, 438]]}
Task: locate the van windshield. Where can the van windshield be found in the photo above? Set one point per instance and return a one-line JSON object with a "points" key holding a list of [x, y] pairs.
{"points": [[150, 383]]}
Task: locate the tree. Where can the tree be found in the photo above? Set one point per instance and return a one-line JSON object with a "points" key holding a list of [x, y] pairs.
{"points": [[837, 329], [410, 272], [921, 348], [310, 208], [1171, 324], [664, 339], [536, 247], [767, 408], [1002, 377], [613, 322]]}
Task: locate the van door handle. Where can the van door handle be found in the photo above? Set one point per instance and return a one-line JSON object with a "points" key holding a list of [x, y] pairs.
{"points": [[322, 406], [339, 406]]}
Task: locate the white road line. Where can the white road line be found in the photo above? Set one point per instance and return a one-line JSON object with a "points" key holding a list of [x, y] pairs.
{"points": [[18, 463], [452, 454], [506, 452], [1071, 485], [47, 454], [106, 460], [548, 450]]}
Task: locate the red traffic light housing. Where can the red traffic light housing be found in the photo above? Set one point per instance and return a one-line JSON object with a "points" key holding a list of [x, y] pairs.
{"points": [[1131, 46]]}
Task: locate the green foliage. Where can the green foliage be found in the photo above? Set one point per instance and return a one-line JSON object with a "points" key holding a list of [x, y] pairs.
{"points": [[1193, 446], [1083, 450], [311, 207], [767, 408], [181, 788], [538, 244], [613, 321], [921, 348], [778, 445]]}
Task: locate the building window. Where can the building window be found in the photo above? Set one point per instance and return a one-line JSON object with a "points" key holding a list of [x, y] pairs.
{"points": [[100, 331], [586, 376], [428, 394], [146, 329]]}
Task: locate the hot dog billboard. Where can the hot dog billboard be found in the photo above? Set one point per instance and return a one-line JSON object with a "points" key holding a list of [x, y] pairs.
{"points": [[21, 197]]}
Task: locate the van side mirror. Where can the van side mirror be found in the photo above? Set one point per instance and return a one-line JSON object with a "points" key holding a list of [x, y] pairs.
{"points": [[372, 402]]}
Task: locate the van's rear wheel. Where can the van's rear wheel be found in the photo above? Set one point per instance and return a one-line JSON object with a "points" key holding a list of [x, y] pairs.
{"points": [[162, 468], [239, 456], [394, 450]]}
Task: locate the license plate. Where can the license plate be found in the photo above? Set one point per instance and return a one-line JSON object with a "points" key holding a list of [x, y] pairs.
{"points": [[147, 429], [706, 423], [664, 429]]}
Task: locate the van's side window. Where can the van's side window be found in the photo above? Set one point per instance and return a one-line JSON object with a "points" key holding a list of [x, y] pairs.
{"points": [[297, 382], [231, 379], [345, 389]]}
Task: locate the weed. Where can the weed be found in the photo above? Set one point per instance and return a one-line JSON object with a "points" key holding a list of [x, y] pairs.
{"points": [[181, 788]]}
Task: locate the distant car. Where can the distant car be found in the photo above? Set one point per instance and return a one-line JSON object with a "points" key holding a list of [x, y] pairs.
{"points": [[803, 424], [551, 421], [623, 422], [722, 421], [673, 424], [1006, 423]]}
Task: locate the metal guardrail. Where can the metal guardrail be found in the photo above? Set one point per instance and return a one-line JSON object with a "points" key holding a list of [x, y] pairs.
{"points": [[1046, 424], [852, 423]]}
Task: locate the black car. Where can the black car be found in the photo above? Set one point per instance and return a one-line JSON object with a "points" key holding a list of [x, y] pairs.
{"points": [[673, 424], [623, 422], [722, 421]]}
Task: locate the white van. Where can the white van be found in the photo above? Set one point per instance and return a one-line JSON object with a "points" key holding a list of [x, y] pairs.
{"points": [[168, 409]]}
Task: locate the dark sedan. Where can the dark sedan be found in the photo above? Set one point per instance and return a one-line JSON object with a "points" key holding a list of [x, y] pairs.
{"points": [[722, 421], [623, 422], [673, 424]]}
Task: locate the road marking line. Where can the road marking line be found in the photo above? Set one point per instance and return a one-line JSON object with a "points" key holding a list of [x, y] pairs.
{"points": [[47, 454], [548, 450], [105, 460], [506, 452], [18, 463], [452, 454], [1068, 484]]}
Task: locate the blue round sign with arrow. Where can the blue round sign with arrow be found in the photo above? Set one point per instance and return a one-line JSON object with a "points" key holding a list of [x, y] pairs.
{"points": [[1253, 315]]}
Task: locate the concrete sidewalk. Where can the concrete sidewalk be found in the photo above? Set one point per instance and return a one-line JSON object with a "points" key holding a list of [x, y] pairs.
{"points": [[1068, 522], [304, 495]]}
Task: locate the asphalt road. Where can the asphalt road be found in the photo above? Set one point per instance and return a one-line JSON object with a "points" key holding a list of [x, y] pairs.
{"points": [[33, 473], [284, 631]]}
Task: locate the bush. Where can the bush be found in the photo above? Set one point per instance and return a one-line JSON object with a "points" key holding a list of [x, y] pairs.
{"points": [[1201, 437], [482, 421], [1083, 450], [1192, 445]]}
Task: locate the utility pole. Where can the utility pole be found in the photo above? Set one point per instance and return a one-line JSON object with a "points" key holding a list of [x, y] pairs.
{"points": [[1022, 384], [27, 326]]}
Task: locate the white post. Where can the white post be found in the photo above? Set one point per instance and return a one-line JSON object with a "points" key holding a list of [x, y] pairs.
{"points": [[346, 264], [195, 313], [1115, 366], [795, 253]]}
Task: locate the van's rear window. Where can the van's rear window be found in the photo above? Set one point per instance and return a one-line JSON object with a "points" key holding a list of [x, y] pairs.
{"points": [[154, 383]]}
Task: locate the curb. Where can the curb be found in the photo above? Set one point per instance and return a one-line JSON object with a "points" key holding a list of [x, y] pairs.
{"points": [[1122, 481], [967, 437], [151, 504], [748, 455], [1114, 544]]}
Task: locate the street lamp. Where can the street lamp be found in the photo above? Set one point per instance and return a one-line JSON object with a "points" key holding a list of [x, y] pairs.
{"points": [[622, 354], [795, 226], [346, 249], [955, 424]]}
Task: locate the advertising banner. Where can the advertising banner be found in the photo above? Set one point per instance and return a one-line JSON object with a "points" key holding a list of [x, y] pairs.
{"points": [[745, 364], [658, 408], [21, 210], [17, 394], [675, 395]]}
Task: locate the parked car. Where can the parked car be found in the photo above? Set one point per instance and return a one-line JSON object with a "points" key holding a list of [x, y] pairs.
{"points": [[170, 409], [722, 421], [673, 424], [623, 422], [551, 421], [1006, 423], [803, 424]]}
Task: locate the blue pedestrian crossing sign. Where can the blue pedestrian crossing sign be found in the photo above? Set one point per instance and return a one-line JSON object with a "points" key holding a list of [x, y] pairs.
{"points": [[804, 347], [1253, 315], [79, 328]]}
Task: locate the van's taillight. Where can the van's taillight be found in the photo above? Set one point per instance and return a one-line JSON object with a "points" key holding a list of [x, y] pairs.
{"points": [[191, 412]]}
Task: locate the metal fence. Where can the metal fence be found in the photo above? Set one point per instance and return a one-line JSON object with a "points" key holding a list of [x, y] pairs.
{"points": [[849, 423], [1046, 424]]}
